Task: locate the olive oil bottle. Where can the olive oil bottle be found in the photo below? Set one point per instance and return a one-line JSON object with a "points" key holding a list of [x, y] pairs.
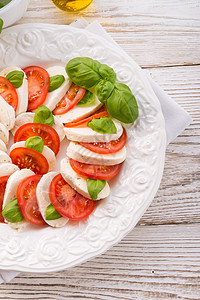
{"points": [[72, 5]]}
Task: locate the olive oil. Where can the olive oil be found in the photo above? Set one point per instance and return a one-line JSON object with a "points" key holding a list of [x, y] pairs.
{"points": [[72, 5]]}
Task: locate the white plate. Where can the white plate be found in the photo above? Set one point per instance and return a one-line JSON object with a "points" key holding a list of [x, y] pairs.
{"points": [[48, 249]]}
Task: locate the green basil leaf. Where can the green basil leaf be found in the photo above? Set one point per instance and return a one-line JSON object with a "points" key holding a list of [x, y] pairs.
{"points": [[36, 143], [87, 99], [87, 72], [94, 187], [103, 90], [16, 78], [55, 82], [51, 213], [103, 125], [122, 104], [1, 5], [43, 115], [1, 25], [12, 213]]}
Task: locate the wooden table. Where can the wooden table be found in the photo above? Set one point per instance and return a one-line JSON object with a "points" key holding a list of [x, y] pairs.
{"points": [[160, 258]]}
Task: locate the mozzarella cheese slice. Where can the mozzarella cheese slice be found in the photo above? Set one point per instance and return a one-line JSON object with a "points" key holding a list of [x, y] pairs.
{"points": [[11, 192], [42, 193], [7, 115], [48, 153], [81, 154], [3, 146], [7, 169], [4, 157], [4, 134], [78, 182], [79, 112], [22, 91], [29, 117], [87, 135], [54, 97]]}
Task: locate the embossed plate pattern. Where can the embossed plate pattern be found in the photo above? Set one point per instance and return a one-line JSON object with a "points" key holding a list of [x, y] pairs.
{"points": [[49, 249]]}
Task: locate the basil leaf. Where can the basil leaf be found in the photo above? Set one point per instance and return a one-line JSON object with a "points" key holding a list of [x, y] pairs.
{"points": [[55, 82], [86, 72], [1, 25], [1, 5], [43, 115], [94, 187], [87, 99], [16, 78], [103, 90], [122, 104], [36, 143], [12, 213], [103, 125], [52, 213]]}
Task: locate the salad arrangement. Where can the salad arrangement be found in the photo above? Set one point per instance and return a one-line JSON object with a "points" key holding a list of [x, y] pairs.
{"points": [[83, 103]]}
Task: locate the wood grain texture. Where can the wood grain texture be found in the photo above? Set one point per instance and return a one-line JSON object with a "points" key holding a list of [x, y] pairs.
{"points": [[156, 260]]}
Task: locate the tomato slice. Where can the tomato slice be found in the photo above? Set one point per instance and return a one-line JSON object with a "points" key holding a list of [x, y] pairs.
{"points": [[8, 92], [95, 171], [107, 148], [102, 112], [38, 86], [3, 182], [26, 158], [47, 133], [27, 200], [71, 98], [68, 202]]}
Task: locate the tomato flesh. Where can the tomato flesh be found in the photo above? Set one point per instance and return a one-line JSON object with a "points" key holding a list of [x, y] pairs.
{"points": [[71, 98], [46, 132], [26, 158], [3, 182], [107, 148], [68, 202], [27, 200], [8, 92], [38, 86], [95, 171]]}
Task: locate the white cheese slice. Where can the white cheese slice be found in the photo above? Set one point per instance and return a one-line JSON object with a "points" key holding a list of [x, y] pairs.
{"points": [[4, 157], [87, 135], [22, 91], [7, 115], [4, 134], [54, 97], [29, 117], [78, 182], [81, 154], [79, 112], [47, 152], [7, 169], [42, 193], [3, 146]]}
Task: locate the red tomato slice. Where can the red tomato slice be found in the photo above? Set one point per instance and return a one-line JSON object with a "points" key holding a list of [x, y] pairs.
{"points": [[95, 171], [46, 132], [3, 182], [107, 148], [71, 98], [102, 112], [26, 158], [8, 92], [27, 200], [68, 202], [38, 86]]}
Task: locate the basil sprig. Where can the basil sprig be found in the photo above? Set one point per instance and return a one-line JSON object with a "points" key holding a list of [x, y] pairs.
{"points": [[16, 78], [118, 98], [12, 213], [52, 213], [36, 143], [87, 99], [94, 187], [1, 5], [55, 82], [43, 115], [103, 125], [1, 25]]}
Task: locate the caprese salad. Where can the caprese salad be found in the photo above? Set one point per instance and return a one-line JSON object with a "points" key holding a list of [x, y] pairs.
{"points": [[82, 103]]}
